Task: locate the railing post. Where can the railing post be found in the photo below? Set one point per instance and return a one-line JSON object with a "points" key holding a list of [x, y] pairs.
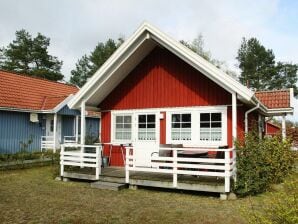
{"points": [[175, 168], [234, 166], [227, 171], [127, 151], [61, 161], [98, 162]]}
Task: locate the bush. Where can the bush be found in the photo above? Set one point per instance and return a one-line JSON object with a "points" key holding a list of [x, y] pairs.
{"points": [[261, 162], [278, 208]]}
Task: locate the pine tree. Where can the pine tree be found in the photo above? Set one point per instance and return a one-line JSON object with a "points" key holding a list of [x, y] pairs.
{"points": [[30, 56], [88, 65]]}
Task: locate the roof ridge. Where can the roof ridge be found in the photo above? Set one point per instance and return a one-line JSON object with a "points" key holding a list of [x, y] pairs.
{"points": [[38, 78]]}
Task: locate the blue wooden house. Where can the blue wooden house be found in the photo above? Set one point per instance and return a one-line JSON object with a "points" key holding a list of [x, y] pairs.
{"points": [[35, 110]]}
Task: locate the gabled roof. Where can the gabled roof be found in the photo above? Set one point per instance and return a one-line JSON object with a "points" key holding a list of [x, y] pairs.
{"points": [[275, 98], [132, 51], [135, 49], [20, 92]]}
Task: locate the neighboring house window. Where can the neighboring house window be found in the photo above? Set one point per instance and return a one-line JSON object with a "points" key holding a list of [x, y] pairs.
{"points": [[146, 127], [210, 127], [181, 127], [123, 127], [52, 125]]}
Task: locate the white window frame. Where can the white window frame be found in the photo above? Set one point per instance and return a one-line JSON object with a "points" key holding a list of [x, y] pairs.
{"points": [[113, 128], [195, 126], [181, 122], [137, 126], [134, 135]]}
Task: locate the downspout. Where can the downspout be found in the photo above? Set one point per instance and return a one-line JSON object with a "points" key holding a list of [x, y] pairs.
{"points": [[246, 116]]}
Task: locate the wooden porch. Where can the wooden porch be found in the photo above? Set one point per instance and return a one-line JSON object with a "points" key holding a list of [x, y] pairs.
{"points": [[195, 174], [150, 179]]}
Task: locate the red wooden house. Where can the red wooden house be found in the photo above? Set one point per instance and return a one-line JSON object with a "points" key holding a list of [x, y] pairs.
{"points": [[153, 90]]}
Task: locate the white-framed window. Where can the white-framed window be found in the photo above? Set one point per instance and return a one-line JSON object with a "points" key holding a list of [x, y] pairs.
{"points": [[200, 126], [123, 127], [211, 127], [181, 126], [146, 127]]}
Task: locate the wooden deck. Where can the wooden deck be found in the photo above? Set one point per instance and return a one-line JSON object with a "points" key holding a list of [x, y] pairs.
{"points": [[147, 179]]}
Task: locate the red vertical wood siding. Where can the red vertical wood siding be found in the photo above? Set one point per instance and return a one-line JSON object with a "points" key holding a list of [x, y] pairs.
{"points": [[164, 80]]}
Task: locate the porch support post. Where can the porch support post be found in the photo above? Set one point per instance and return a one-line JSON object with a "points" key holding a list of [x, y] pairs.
{"points": [[234, 137], [83, 122], [83, 128], [260, 126], [283, 127], [55, 132], [77, 129], [234, 116]]}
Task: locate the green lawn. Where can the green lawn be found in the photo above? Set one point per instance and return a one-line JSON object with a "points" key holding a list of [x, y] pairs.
{"points": [[33, 196]]}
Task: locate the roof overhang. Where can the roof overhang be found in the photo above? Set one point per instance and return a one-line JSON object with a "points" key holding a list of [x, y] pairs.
{"points": [[133, 51], [51, 111]]}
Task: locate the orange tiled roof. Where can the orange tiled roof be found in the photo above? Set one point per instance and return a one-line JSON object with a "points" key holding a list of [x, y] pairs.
{"points": [[24, 92], [275, 98]]}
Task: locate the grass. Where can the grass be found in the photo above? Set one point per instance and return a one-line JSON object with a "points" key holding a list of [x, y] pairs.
{"points": [[33, 196]]}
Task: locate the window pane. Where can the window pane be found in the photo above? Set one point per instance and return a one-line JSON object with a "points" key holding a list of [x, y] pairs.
{"points": [[127, 119], [176, 125], [186, 117], [186, 125], [216, 117], [142, 118], [151, 118], [205, 125], [127, 126], [216, 124], [175, 135], [142, 125], [119, 126], [176, 117], [150, 135], [119, 119], [151, 125], [205, 117]]}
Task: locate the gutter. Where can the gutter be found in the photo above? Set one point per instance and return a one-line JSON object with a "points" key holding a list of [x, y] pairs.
{"points": [[246, 116]]}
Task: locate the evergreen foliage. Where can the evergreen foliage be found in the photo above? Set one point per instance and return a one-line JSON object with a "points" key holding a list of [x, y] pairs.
{"points": [[28, 55]]}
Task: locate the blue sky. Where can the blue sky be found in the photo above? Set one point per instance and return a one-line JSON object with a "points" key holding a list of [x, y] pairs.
{"points": [[76, 26]]}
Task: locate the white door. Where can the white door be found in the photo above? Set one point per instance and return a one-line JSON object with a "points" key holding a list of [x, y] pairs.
{"points": [[50, 128], [147, 138], [50, 125]]}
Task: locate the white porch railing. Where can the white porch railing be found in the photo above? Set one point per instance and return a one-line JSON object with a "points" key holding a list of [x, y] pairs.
{"points": [[215, 167], [82, 156], [47, 142], [71, 139]]}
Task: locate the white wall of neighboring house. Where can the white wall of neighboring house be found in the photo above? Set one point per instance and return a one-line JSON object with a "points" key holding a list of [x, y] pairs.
{"points": [[294, 117]]}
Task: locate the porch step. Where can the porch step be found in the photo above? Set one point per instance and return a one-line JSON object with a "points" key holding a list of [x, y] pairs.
{"points": [[81, 176], [108, 185], [120, 180]]}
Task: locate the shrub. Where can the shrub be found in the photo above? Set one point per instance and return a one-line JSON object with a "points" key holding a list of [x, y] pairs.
{"points": [[261, 162], [278, 208]]}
